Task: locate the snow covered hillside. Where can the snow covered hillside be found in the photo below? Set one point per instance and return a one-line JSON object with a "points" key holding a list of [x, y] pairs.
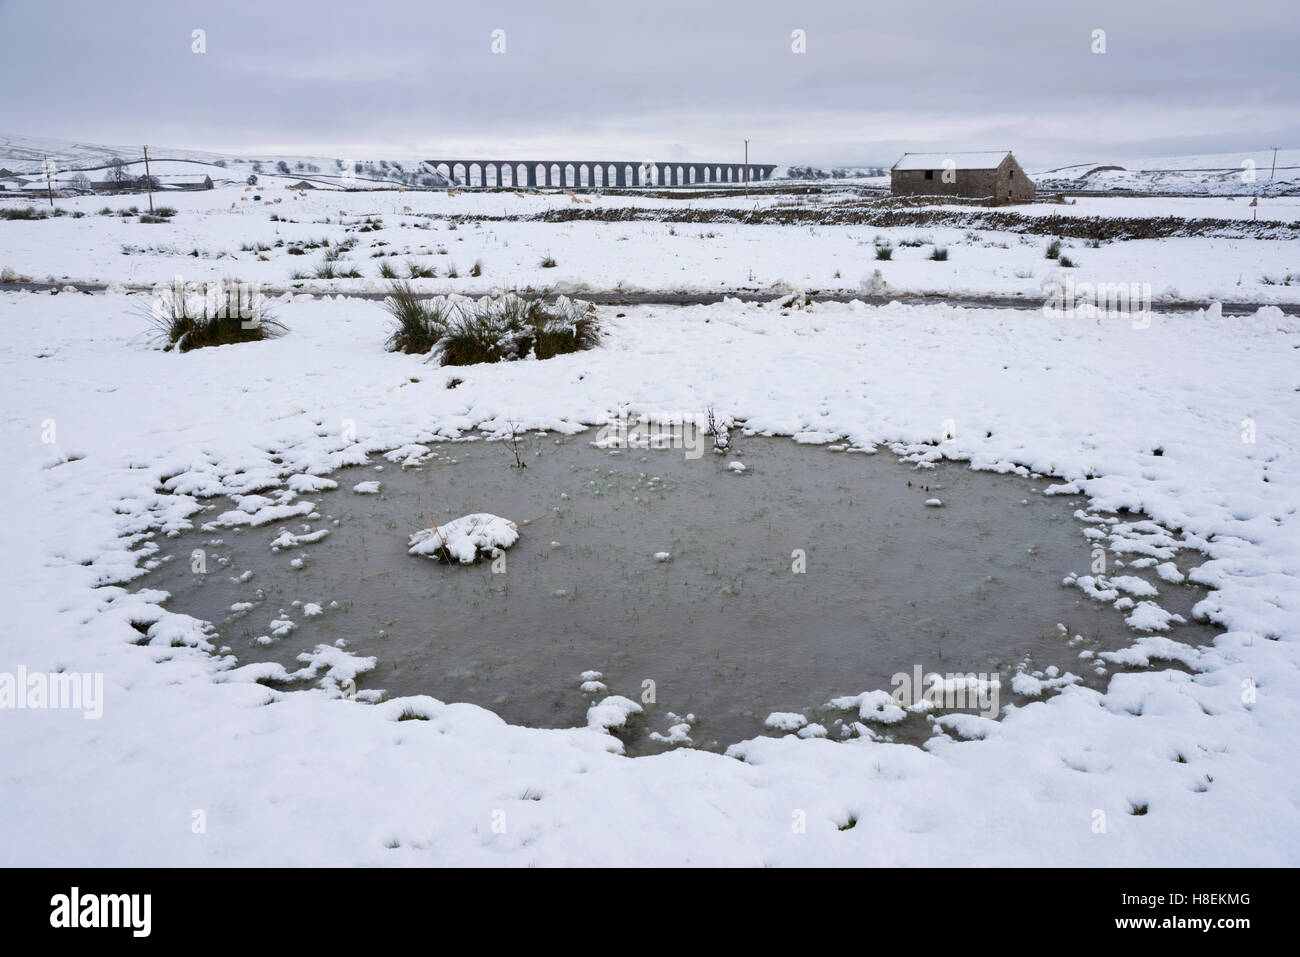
{"points": [[1248, 173], [25, 156]]}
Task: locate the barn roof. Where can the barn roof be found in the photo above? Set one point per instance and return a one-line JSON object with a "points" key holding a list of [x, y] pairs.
{"points": [[988, 159]]}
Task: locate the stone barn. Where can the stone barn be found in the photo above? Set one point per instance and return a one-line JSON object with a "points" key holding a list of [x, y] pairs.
{"points": [[993, 175]]}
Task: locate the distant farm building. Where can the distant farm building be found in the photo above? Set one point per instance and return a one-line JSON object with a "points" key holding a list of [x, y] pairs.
{"points": [[991, 175], [187, 181], [301, 184]]}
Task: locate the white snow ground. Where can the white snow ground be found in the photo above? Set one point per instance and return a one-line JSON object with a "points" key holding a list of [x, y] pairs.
{"points": [[312, 778], [225, 232]]}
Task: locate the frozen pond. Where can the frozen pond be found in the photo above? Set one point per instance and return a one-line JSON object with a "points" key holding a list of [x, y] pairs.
{"points": [[727, 629]]}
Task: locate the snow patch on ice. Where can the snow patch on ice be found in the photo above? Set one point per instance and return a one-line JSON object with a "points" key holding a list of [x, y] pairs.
{"points": [[465, 538]]}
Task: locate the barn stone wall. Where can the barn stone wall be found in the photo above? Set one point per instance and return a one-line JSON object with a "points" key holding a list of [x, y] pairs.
{"points": [[1005, 184]]}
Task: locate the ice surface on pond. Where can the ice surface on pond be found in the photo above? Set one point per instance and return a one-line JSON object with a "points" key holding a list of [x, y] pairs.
{"points": [[807, 595]]}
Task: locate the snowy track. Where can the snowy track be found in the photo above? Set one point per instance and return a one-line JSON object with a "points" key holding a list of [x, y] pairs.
{"points": [[617, 298]]}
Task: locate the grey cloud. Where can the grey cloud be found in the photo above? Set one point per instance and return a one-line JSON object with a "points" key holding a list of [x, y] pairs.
{"points": [[668, 79]]}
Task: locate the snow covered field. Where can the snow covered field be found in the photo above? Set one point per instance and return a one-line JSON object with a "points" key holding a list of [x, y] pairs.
{"points": [[1190, 419], [227, 232]]}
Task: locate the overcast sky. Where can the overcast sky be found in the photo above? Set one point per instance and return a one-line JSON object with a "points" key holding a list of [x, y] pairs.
{"points": [[664, 80]]}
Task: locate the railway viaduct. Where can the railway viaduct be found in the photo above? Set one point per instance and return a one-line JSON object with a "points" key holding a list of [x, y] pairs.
{"points": [[595, 173]]}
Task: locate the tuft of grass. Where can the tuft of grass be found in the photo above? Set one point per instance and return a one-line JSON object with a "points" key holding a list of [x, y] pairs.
{"points": [[1286, 279], [326, 269], [415, 271], [548, 262], [1054, 249], [162, 214], [884, 252], [420, 322], [569, 327], [939, 254], [479, 337], [387, 270], [28, 212], [477, 269], [499, 329], [1066, 262], [186, 322]]}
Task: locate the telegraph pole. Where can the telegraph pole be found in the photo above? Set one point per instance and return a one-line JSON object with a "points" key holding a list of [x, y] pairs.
{"points": [[148, 180], [49, 177], [1274, 170]]}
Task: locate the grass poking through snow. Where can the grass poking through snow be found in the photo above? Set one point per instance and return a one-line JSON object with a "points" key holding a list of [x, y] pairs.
{"points": [[494, 329], [222, 314]]}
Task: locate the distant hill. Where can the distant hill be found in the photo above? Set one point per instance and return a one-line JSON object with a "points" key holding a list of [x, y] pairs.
{"points": [[1246, 173], [24, 156], [833, 172], [1215, 174]]}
